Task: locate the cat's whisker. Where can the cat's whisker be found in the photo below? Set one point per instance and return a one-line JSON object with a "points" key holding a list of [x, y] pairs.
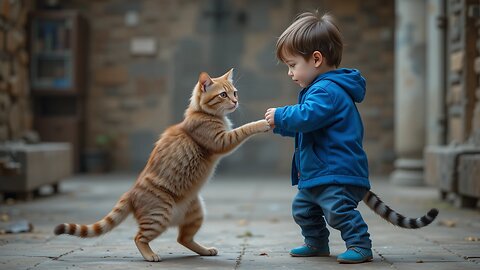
{"points": [[218, 110], [238, 79], [241, 112]]}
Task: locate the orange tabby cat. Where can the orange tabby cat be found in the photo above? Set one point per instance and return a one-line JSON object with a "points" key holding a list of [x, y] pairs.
{"points": [[166, 192]]}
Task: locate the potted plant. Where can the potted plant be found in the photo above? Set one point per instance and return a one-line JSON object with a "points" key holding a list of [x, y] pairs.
{"points": [[97, 159]]}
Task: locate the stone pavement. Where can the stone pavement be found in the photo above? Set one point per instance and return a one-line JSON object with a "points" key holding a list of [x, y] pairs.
{"points": [[248, 220]]}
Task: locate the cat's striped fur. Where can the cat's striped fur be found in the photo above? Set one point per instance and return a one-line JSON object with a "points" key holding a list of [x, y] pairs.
{"points": [[384, 211], [183, 159]]}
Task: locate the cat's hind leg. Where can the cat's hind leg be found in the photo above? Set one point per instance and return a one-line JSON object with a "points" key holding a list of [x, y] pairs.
{"points": [[142, 239], [149, 228], [187, 230]]}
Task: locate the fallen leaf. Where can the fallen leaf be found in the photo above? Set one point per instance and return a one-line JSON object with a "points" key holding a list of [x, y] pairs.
{"points": [[472, 239], [447, 223], [245, 234], [274, 220], [4, 218], [263, 252], [242, 222]]}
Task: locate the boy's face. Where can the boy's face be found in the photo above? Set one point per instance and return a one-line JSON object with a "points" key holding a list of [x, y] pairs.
{"points": [[302, 71]]}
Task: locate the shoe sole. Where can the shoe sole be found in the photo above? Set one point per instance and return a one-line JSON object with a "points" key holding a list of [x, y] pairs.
{"points": [[310, 255], [354, 262]]}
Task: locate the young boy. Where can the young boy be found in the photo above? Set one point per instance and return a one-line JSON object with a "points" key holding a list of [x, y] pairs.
{"points": [[329, 165]]}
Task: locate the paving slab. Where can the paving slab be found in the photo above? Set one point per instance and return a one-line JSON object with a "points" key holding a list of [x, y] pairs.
{"points": [[248, 220]]}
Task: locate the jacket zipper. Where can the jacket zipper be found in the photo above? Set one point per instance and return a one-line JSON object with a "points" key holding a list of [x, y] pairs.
{"points": [[297, 157]]}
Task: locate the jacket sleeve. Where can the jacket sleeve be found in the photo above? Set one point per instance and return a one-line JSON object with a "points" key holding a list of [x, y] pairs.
{"points": [[317, 111], [283, 132]]}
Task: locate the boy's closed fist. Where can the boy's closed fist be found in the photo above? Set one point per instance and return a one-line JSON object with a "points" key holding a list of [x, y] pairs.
{"points": [[270, 117]]}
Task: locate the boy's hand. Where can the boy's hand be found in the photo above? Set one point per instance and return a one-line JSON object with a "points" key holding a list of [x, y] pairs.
{"points": [[270, 117]]}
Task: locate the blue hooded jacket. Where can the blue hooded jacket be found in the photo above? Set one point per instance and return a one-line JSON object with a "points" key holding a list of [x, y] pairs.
{"points": [[328, 131]]}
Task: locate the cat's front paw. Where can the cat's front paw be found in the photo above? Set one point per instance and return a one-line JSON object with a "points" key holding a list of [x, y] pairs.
{"points": [[213, 251], [262, 125]]}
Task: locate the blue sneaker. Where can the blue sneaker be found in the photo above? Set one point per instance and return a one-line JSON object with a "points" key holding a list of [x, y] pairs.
{"points": [[355, 255], [309, 251]]}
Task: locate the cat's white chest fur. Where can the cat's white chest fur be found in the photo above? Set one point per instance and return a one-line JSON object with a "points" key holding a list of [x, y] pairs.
{"points": [[179, 211], [228, 123]]}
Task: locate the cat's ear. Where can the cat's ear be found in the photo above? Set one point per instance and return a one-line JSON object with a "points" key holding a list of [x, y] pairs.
{"points": [[229, 75], [204, 81]]}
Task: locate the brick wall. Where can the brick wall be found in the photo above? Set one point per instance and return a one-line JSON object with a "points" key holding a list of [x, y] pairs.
{"points": [[133, 98]]}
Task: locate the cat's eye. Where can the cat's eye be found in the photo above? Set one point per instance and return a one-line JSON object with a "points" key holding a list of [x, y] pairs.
{"points": [[235, 94], [223, 95]]}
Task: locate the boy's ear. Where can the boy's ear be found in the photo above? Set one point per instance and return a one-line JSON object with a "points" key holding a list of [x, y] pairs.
{"points": [[317, 58], [205, 81]]}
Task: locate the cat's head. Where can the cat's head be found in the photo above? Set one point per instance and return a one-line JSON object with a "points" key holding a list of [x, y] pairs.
{"points": [[215, 96]]}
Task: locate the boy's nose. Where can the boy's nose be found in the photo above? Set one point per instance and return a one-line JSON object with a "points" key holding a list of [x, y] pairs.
{"points": [[290, 73]]}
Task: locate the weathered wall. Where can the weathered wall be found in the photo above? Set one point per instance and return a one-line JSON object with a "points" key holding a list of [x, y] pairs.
{"points": [[453, 168], [134, 98], [15, 113]]}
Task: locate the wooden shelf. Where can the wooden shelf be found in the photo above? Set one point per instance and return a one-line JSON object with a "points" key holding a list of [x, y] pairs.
{"points": [[57, 42]]}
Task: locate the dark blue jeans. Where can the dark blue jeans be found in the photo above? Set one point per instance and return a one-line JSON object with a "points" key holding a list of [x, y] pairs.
{"points": [[335, 204]]}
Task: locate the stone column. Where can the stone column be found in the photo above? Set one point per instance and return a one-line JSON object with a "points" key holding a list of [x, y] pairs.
{"points": [[436, 77], [409, 92]]}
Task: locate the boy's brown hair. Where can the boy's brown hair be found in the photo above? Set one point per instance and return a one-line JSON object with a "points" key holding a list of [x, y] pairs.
{"points": [[309, 33]]}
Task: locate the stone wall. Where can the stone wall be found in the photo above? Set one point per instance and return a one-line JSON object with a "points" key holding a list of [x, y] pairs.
{"points": [[145, 57], [454, 167], [476, 68], [15, 113]]}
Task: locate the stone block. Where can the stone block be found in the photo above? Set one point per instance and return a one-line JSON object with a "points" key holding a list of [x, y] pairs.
{"points": [[441, 163], [346, 8], [3, 133], [121, 7], [150, 69], [255, 18], [476, 65], [147, 88], [432, 166], [141, 144], [456, 61], [258, 88], [111, 76], [469, 175], [5, 104], [476, 117], [40, 164], [455, 129], [455, 94], [131, 104]]}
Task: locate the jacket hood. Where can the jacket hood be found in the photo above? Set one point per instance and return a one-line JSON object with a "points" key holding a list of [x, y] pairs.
{"points": [[349, 79]]}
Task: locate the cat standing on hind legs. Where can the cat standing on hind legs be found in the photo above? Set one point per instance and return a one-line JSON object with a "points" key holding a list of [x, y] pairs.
{"points": [[166, 193]]}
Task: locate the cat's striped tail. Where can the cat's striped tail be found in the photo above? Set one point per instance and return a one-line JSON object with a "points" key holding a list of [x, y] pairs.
{"points": [[119, 212], [383, 210]]}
